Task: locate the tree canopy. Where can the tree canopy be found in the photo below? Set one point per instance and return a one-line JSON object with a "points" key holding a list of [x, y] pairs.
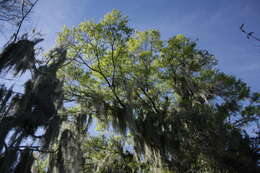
{"points": [[159, 106]]}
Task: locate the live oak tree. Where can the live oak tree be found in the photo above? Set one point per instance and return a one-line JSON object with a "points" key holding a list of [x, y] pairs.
{"points": [[183, 113], [179, 111]]}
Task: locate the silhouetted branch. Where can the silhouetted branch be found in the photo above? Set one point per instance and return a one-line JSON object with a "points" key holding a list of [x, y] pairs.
{"points": [[23, 18], [248, 34], [37, 148]]}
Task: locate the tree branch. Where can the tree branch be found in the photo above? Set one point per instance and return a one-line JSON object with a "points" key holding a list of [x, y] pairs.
{"points": [[23, 18]]}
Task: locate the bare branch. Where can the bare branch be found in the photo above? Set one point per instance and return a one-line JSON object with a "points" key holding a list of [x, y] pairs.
{"points": [[248, 34], [23, 18]]}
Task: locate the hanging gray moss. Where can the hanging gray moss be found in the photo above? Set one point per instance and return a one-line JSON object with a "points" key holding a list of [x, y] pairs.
{"points": [[19, 56], [5, 99], [25, 162], [7, 160], [69, 156], [37, 107]]}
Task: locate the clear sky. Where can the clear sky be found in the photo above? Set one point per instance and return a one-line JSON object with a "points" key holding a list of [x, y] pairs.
{"points": [[215, 23]]}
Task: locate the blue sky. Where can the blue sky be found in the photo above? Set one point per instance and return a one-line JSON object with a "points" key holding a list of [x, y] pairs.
{"points": [[215, 23]]}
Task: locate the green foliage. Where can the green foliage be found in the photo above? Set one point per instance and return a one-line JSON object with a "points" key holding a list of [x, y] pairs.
{"points": [[107, 155], [179, 112]]}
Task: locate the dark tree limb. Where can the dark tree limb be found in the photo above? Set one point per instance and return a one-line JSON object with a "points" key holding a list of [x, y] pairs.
{"points": [[248, 34], [23, 18]]}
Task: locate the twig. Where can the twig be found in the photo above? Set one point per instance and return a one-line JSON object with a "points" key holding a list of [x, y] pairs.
{"points": [[23, 18], [248, 34], [36, 148]]}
